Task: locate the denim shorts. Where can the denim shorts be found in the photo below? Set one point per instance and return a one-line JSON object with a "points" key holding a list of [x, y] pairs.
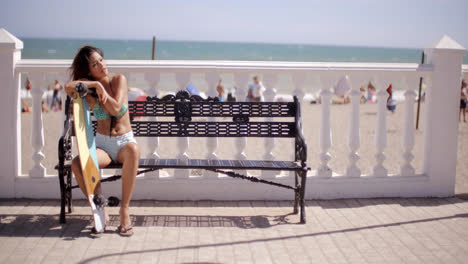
{"points": [[112, 145]]}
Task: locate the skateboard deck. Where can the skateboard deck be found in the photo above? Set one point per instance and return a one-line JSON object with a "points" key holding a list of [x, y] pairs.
{"points": [[88, 158]]}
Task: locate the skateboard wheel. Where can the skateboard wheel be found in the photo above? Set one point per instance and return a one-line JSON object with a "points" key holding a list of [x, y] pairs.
{"points": [[99, 200], [113, 201]]}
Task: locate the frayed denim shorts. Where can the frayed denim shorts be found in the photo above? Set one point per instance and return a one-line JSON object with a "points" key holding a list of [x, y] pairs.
{"points": [[112, 145]]}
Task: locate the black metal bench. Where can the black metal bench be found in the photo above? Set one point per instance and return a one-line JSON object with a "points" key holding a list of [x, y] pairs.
{"points": [[182, 107]]}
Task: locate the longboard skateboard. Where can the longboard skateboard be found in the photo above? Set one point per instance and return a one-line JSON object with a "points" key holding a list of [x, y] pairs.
{"points": [[88, 159]]}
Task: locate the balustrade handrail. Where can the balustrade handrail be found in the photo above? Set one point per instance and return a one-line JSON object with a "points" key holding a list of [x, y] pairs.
{"points": [[143, 66]]}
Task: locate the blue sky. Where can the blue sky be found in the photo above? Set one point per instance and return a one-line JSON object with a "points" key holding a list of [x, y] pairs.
{"points": [[381, 23]]}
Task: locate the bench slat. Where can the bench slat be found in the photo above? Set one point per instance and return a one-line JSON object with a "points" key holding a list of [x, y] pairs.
{"points": [[212, 164], [214, 109]]}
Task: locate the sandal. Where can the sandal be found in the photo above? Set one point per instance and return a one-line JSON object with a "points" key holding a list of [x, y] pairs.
{"points": [[125, 231], [95, 234]]}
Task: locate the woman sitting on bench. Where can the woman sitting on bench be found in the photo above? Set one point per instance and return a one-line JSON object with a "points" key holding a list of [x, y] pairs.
{"points": [[114, 136]]}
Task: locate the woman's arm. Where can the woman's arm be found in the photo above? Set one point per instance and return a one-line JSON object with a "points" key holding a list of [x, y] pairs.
{"points": [[119, 89], [70, 89]]}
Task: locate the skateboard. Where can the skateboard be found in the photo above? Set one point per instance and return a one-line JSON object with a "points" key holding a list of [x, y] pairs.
{"points": [[88, 157]]}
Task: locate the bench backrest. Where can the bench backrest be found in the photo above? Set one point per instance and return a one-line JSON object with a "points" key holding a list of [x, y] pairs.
{"points": [[226, 119]]}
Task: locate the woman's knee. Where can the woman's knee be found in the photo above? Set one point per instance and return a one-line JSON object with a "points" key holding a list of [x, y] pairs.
{"points": [[130, 151]]}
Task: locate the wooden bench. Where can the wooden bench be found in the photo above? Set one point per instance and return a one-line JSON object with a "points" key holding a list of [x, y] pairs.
{"points": [[233, 120]]}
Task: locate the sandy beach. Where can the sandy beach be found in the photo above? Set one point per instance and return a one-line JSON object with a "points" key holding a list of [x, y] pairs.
{"points": [[311, 123]]}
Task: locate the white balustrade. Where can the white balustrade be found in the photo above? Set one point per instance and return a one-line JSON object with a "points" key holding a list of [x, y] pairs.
{"points": [[381, 129], [183, 80], [37, 133], [354, 141], [436, 179], [152, 143], [212, 79], [406, 168], [325, 142], [269, 80]]}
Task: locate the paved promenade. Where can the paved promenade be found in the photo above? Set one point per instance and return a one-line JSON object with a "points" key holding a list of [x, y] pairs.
{"points": [[412, 230]]}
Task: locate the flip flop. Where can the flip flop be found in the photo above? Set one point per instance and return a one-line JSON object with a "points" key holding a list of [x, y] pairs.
{"points": [[95, 234], [125, 231]]}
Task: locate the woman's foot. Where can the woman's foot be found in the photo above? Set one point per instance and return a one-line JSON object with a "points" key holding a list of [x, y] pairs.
{"points": [[125, 216]]}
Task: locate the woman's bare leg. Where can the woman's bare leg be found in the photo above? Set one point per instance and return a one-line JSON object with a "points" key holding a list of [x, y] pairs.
{"points": [[103, 160], [129, 156]]}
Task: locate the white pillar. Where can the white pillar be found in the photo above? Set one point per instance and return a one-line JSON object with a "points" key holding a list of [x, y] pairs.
{"points": [[325, 140], [269, 143], [212, 79], [379, 169], [299, 81], [241, 80], [10, 101], [407, 142], [183, 79], [441, 115], [152, 143], [37, 132], [354, 141]]}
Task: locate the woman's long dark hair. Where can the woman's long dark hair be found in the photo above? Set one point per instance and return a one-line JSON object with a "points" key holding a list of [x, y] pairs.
{"points": [[80, 66]]}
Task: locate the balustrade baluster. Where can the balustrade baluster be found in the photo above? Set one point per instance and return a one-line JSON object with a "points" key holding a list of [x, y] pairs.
{"points": [[269, 143], [299, 82], [354, 127], [182, 80], [37, 133], [406, 168], [152, 143], [241, 80], [381, 129], [325, 128], [212, 79]]}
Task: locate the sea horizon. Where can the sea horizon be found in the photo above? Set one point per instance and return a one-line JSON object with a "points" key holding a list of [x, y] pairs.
{"points": [[136, 49]]}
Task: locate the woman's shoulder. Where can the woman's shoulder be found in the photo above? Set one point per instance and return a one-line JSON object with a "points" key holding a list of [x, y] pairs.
{"points": [[118, 78]]}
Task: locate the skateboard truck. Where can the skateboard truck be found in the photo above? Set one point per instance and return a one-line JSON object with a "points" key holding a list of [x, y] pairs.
{"points": [[82, 89], [100, 201]]}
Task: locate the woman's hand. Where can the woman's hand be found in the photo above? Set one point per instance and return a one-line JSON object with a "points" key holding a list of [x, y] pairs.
{"points": [[101, 92]]}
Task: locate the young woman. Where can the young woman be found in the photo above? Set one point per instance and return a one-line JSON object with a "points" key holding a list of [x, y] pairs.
{"points": [[114, 137]]}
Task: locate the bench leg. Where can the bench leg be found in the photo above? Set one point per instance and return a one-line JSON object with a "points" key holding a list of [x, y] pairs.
{"points": [[296, 193], [302, 196], [68, 194], [62, 196]]}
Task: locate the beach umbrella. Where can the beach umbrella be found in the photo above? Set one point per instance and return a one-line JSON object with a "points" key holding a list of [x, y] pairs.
{"points": [[343, 86], [134, 93]]}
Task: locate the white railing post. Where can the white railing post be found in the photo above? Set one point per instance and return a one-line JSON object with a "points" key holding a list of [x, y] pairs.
{"points": [[152, 143], [441, 115], [241, 80], [10, 54], [182, 79], [325, 140], [407, 142], [212, 79], [269, 143], [37, 131], [354, 141], [299, 81], [379, 169]]}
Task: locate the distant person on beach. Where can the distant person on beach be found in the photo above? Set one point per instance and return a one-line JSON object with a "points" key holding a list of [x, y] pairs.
{"points": [[255, 93], [114, 135], [370, 93], [391, 104], [463, 101], [220, 90], [28, 87], [56, 103]]}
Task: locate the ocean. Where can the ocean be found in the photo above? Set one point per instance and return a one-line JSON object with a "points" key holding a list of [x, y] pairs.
{"points": [[190, 50]]}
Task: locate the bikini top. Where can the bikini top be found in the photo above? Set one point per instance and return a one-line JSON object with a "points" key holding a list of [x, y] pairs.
{"points": [[100, 114]]}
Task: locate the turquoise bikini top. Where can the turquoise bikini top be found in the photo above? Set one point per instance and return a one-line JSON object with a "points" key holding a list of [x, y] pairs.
{"points": [[101, 115]]}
